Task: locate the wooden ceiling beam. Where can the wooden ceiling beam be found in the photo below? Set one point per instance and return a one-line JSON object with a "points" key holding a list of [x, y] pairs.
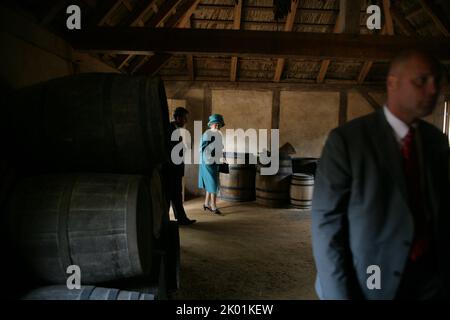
{"points": [[181, 20], [338, 28], [350, 13], [401, 21], [278, 44], [138, 13], [190, 61], [289, 25], [388, 29], [433, 12], [389, 23], [54, 11], [104, 19], [237, 17], [157, 20]]}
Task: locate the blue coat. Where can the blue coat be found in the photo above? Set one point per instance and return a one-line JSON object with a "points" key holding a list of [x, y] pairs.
{"points": [[208, 174]]}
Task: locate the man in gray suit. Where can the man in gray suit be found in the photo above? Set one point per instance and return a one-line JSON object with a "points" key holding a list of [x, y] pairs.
{"points": [[380, 215]]}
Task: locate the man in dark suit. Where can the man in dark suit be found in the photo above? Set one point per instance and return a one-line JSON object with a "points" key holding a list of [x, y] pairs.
{"points": [[380, 215], [176, 171]]}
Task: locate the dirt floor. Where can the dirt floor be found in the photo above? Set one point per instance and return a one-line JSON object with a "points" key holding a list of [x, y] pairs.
{"points": [[248, 252]]}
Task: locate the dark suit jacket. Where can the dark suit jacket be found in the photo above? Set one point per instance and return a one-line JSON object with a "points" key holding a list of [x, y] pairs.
{"points": [[360, 213], [175, 169]]}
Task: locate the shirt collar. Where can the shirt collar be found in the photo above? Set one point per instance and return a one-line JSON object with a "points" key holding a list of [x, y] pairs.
{"points": [[400, 128]]}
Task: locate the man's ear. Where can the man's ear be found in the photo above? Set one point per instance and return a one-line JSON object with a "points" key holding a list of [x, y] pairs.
{"points": [[392, 82]]}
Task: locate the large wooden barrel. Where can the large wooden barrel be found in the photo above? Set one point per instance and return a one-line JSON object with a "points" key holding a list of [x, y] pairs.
{"points": [[302, 186], [273, 190], [102, 223], [61, 292], [305, 165], [239, 184], [107, 123]]}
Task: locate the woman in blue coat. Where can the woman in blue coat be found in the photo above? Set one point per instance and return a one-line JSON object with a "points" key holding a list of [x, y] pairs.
{"points": [[211, 148]]}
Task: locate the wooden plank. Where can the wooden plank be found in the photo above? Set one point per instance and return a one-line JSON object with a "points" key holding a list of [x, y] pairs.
{"points": [[401, 21], [372, 102], [233, 69], [276, 108], [207, 106], [389, 24], [181, 20], [237, 16], [53, 12], [326, 63], [107, 14], [323, 70], [190, 61], [147, 41], [414, 13], [343, 106], [137, 14], [367, 65], [164, 11], [434, 14], [350, 12], [190, 66], [224, 83], [157, 20], [287, 28]]}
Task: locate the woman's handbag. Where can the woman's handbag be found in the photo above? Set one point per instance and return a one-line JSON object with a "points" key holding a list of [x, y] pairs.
{"points": [[224, 168]]}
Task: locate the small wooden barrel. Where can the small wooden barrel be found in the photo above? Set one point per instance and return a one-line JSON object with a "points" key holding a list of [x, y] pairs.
{"points": [[101, 223], [85, 293], [273, 191], [301, 192]]}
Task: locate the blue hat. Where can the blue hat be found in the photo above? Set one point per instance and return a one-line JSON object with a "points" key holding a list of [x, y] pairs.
{"points": [[216, 118]]}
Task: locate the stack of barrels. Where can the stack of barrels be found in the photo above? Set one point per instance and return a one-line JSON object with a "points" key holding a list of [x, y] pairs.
{"points": [[239, 184], [92, 150], [292, 185]]}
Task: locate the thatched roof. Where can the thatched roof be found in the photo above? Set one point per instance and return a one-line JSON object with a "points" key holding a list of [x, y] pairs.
{"points": [[317, 16]]}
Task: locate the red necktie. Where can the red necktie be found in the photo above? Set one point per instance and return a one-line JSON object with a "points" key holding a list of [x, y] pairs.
{"points": [[412, 172]]}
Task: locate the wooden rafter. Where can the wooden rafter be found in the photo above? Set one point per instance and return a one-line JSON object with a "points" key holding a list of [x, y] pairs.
{"points": [[401, 21], [190, 61], [347, 21], [287, 28], [388, 29], [372, 102], [165, 10], [104, 19], [248, 43], [350, 13], [137, 14], [326, 63], [432, 11], [389, 23], [53, 12], [236, 26], [180, 20]]}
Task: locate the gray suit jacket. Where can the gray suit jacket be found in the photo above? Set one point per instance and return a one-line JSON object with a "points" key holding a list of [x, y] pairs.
{"points": [[360, 213]]}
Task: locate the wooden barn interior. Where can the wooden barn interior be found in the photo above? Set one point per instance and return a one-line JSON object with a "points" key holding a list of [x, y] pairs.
{"points": [[303, 67]]}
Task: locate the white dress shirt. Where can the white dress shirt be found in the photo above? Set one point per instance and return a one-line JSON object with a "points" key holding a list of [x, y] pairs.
{"points": [[400, 128]]}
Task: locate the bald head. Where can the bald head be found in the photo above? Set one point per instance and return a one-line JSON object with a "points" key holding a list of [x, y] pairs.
{"points": [[402, 60], [413, 85]]}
